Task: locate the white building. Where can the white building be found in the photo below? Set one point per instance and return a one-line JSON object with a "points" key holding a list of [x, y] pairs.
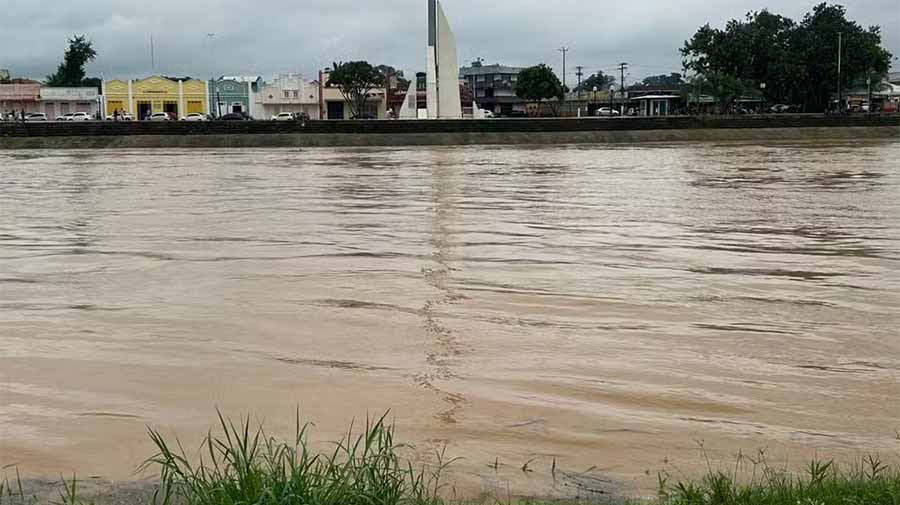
{"points": [[287, 93], [56, 102]]}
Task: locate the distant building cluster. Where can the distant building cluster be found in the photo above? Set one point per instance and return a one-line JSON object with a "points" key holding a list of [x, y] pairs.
{"points": [[244, 95]]}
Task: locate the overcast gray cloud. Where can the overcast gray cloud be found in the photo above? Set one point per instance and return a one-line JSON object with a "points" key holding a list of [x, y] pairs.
{"points": [[274, 36]]}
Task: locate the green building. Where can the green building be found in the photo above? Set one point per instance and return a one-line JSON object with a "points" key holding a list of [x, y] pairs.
{"points": [[229, 94]]}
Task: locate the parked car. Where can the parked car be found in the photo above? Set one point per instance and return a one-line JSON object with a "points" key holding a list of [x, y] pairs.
{"points": [[35, 116], [195, 116], [781, 108], [517, 113], [65, 117], [236, 116], [160, 116], [607, 111], [81, 116], [123, 116], [283, 116], [488, 114]]}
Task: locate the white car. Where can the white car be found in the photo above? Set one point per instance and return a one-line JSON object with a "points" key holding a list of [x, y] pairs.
{"points": [[65, 117], [35, 116], [123, 116], [607, 111], [194, 116], [160, 116], [283, 116], [81, 116]]}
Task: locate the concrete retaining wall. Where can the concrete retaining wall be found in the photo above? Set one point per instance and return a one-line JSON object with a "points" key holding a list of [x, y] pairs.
{"points": [[396, 133]]}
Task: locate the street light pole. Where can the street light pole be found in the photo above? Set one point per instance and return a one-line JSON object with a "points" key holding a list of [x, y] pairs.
{"points": [[762, 86], [869, 97], [840, 91]]}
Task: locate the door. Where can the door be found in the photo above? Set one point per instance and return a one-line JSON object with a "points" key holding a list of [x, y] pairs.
{"points": [[171, 108], [237, 108], [335, 110], [144, 110]]}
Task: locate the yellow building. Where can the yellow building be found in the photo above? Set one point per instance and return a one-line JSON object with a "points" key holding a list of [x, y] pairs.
{"points": [[154, 94]]}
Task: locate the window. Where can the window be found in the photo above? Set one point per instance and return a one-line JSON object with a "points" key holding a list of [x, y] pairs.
{"points": [[296, 94], [287, 94], [498, 77], [479, 78]]}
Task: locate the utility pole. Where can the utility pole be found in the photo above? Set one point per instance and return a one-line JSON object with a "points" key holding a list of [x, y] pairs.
{"points": [[564, 50], [580, 73], [840, 91], [212, 52], [152, 55], [622, 68]]}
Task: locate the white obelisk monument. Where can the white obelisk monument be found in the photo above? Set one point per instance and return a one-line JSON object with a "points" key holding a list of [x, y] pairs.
{"points": [[442, 75]]}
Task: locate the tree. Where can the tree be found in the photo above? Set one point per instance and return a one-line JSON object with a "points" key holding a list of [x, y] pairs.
{"points": [[356, 80], [723, 87], [672, 81], [71, 71], [816, 44], [599, 80], [388, 71], [539, 83], [796, 61]]}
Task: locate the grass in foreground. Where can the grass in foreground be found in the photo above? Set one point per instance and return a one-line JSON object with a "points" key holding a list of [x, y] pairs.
{"points": [[246, 467], [869, 482]]}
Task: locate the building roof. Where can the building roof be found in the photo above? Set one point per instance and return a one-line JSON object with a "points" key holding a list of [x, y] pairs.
{"points": [[894, 78], [656, 97], [489, 69], [241, 78]]}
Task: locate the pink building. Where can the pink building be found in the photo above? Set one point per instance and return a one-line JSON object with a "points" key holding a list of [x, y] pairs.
{"points": [[20, 97]]}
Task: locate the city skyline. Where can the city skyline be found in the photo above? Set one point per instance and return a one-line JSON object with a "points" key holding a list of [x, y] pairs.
{"points": [[281, 38]]}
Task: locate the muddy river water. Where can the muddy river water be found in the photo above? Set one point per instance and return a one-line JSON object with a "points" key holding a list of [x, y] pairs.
{"points": [[609, 308]]}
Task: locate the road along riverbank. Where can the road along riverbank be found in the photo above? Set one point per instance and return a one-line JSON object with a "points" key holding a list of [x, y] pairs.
{"points": [[259, 134]]}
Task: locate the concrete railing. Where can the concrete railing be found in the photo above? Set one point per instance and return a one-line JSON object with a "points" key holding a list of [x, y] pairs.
{"points": [[396, 127]]}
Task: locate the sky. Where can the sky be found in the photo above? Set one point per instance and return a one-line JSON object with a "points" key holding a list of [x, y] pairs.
{"points": [[202, 38]]}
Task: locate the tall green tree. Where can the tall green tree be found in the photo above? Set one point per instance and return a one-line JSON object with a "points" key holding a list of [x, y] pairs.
{"points": [[673, 80], [816, 44], [723, 87], [539, 83], [71, 71], [356, 80], [599, 80], [796, 61]]}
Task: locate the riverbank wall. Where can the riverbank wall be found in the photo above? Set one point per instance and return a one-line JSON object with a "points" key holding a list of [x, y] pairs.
{"points": [[247, 134]]}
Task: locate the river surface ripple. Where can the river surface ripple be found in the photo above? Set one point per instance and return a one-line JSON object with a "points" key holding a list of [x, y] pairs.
{"points": [[606, 307]]}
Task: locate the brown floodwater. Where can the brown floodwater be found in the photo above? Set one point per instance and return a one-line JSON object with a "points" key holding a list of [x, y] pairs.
{"points": [[612, 308]]}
